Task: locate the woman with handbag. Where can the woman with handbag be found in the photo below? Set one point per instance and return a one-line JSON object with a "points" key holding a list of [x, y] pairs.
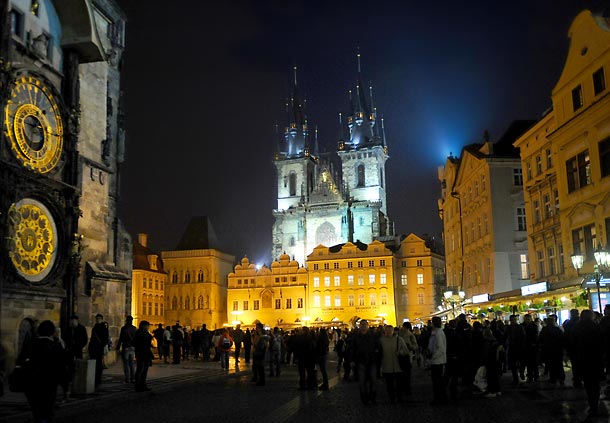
{"points": [[392, 347]]}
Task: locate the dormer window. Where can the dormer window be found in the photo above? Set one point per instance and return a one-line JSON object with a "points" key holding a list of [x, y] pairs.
{"points": [[152, 262], [577, 99], [599, 81]]}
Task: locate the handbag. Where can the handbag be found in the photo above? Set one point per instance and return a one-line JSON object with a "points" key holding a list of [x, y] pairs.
{"points": [[404, 361], [18, 379]]}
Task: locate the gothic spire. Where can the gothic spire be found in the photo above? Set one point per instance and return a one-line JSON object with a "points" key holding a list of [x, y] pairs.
{"points": [[296, 132]]}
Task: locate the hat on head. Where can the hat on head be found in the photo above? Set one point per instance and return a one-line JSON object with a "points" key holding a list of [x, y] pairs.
{"points": [[74, 317]]}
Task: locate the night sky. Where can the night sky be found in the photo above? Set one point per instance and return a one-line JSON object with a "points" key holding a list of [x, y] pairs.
{"points": [[206, 82]]}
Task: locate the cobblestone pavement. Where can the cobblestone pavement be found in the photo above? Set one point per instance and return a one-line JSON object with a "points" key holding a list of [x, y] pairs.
{"points": [[196, 392]]}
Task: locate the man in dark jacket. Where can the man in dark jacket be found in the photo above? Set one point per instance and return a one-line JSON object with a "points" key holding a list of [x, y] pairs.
{"points": [[531, 348], [552, 343], [568, 327], [76, 338], [158, 335], [144, 356], [177, 339], [365, 350], [588, 351], [98, 345], [238, 337], [515, 346]]}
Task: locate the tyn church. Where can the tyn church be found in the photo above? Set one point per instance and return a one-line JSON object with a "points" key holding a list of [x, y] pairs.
{"points": [[329, 199]]}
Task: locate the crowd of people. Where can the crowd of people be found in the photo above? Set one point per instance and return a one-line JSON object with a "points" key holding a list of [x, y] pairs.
{"points": [[460, 354]]}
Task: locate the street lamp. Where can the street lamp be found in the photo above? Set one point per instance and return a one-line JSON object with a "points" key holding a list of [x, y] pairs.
{"points": [[602, 264], [453, 297]]}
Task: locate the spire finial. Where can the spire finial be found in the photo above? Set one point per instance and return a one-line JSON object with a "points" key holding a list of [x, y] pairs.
{"points": [[383, 132], [358, 57], [371, 96], [315, 146], [294, 69]]}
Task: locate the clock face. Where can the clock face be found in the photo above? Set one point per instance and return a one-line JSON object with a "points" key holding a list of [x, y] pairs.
{"points": [[34, 124], [32, 239]]}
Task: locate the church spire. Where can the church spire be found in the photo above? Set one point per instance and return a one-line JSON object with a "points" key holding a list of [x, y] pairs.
{"points": [[362, 121], [296, 132]]}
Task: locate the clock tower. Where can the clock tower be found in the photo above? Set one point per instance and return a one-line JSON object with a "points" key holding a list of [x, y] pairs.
{"points": [[55, 261]]}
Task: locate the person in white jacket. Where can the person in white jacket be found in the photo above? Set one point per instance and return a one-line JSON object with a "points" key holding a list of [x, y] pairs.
{"points": [[437, 348]]}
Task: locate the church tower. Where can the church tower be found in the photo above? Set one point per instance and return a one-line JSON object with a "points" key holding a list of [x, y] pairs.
{"points": [[363, 158]]}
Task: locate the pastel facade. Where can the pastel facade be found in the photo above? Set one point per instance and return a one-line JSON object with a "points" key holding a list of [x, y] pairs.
{"points": [[148, 284]]}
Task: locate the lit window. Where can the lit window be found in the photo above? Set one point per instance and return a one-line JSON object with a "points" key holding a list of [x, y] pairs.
{"points": [[420, 278], [382, 279], [316, 282], [350, 279], [350, 300], [373, 299], [361, 280], [235, 305], [337, 280], [337, 301], [371, 279], [326, 280], [403, 280], [316, 301]]}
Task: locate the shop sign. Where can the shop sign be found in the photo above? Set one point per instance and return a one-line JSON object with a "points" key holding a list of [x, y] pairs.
{"points": [[482, 298], [536, 288]]}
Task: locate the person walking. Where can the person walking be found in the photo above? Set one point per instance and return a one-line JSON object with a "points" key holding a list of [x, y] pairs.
{"points": [[437, 349], [238, 338], [225, 342], [392, 347], [98, 346], [144, 356], [125, 345], [552, 343]]}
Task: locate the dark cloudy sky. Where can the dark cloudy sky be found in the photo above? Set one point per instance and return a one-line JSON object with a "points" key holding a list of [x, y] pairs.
{"points": [[205, 83]]}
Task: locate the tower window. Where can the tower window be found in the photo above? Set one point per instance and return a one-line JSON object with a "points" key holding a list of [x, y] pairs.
{"points": [[361, 175], [292, 241], [17, 23], [292, 182], [381, 177]]}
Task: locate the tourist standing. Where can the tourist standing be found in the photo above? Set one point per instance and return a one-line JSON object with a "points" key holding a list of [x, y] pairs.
{"points": [[125, 345], [365, 351], [437, 350], [322, 346], [392, 346], [247, 345], [98, 346], [260, 343], [158, 335], [588, 352], [224, 347], [144, 355], [238, 338]]}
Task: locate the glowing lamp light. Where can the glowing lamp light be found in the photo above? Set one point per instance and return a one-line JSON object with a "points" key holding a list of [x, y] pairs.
{"points": [[259, 266], [577, 261]]}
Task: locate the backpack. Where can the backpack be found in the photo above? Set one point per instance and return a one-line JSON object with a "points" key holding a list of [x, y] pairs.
{"points": [[226, 343]]}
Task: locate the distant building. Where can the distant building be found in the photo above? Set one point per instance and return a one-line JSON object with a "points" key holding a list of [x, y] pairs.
{"points": [[566, 157], [483, 216], [419, 278], [275, 296], [328, 199], [148, 280], [196, 290]]}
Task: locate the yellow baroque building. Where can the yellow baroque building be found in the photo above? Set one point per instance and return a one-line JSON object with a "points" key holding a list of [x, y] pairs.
{"points": [[148, 282], [275, 296], [419, 275], [196, 290], [566, 158], [351, 281]]}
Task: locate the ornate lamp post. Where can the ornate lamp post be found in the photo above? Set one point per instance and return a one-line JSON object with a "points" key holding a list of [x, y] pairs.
{"points": [[602, 264], [453, 297]]}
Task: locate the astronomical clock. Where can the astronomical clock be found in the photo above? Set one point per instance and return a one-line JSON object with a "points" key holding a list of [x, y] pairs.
{"points": [[36, 201]]}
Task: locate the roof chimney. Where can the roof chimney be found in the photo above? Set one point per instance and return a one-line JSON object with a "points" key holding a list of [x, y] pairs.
{"points": [[143, 240]]}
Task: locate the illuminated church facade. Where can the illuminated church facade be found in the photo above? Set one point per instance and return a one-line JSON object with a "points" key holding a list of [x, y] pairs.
{"points": [[328, 199]]}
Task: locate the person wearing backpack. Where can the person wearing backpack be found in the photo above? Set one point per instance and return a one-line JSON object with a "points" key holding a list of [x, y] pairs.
{"points": [[225, 342]]}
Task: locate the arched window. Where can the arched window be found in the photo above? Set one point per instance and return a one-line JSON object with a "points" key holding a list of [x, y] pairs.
{"points": [[200, 302], [180, 303], [206, 302], [187, 303], [200, 276], [292, 183], [144, 283], [143, 304], [175, 277], [381, 177], [187, 277], [174, 303], [361, 176], [292, 241]]}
